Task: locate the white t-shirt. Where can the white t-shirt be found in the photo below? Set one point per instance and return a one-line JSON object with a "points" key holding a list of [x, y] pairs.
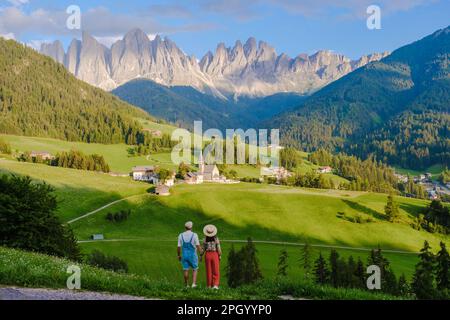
{"points": [[186, 237]]}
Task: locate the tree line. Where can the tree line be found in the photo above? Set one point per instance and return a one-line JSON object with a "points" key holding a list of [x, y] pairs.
{"points": [[39, 97], [73, 159]]}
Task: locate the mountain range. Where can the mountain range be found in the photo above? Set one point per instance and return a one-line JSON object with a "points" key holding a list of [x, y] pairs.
{"points": [[251, 69], [396, 109]]}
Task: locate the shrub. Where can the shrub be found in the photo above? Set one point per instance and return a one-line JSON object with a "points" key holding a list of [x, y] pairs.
{"points": [[120, 216], [100, 260], [5, 147], [28, 220]]}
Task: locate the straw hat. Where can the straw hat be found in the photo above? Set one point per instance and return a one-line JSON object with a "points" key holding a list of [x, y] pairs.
{"points": [[210, 230], [189, 225]]}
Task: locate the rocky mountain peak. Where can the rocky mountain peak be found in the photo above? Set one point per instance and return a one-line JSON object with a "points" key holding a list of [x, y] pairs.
{"points": [[252, 69]]}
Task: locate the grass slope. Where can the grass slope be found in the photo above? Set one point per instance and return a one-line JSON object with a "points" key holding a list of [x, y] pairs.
{"points": [[264, 212], [36, 270]]}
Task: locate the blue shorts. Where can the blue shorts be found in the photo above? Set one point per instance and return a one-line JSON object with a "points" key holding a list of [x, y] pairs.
{"points": [[190, 262]]}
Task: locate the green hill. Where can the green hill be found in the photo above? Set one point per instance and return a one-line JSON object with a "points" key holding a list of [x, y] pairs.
{"points": [[396, 108], [184, 105], [273, 214], [38, 97]]}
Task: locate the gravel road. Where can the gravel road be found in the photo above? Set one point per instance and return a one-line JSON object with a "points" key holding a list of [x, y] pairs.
{"points": [[10, 293]]}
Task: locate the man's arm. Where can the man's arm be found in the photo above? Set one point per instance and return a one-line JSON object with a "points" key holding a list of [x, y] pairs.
{"points": [[179, 253]]}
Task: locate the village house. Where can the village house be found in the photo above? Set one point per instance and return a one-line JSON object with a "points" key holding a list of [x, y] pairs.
{"points": [[44, 155], [145, 173], [206, 173], [162, 190], [193, 178], [326, 169], [401, 177], [170, 182], [280, 173], [154, 133]]}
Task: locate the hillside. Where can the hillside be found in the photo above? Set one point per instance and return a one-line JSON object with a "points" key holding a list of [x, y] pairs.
{"points": [[183, 105], [239, 211], [396, 108], [38, 97]]}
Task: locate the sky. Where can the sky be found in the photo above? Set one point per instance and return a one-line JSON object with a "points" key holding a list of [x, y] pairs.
{"points": [[197, 26]]}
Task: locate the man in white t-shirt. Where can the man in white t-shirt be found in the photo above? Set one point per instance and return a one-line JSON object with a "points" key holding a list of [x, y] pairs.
{"points": [[188, 246]]}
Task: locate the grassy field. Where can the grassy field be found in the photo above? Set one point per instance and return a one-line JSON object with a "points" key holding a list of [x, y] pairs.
{"points": [[435, 170], [264, 212], [24, 269], [78, 191]]}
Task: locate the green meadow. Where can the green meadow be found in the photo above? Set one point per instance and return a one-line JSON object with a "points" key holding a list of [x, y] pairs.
{"points": [[276, 217]]}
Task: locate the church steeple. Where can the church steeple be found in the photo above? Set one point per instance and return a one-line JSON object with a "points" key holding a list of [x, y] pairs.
{"points": [[201, 163]]}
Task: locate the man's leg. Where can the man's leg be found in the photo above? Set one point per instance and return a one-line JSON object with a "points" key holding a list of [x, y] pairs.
{"points": [[194, 278], [186, 277]]}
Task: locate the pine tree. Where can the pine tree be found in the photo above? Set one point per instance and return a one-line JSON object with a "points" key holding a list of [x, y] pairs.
{"points": [[234, 268], [360, 274], [403, 286], [443, 268], [423, 280], [334, 266], [391, 209], [251, 270], [282, 263], [321, 271], [305, 260]]}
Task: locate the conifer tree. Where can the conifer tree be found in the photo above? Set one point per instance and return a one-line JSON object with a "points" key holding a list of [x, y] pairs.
{"points": [[391, 209], [423, 280], [334, 268], [283, 263], [443, 268], [321, 271], [234, 268], [251, 271], [306, 260], [403, 286], [360, 274]]}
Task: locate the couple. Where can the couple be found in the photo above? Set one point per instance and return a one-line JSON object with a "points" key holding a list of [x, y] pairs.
{"points": [[189, 245]]}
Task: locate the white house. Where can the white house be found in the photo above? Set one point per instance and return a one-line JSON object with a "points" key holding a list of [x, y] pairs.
{"points": [[326, 169], [145, 173]]}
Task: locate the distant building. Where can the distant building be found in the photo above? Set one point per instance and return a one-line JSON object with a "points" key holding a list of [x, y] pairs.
{"points": [[193, 178], [428, 176], [170, 182], [325, 169], [44, 155], [145, 173], [162, 190], [432, 195], [401, 178], [155, 133], [280, 173], [210, 173], [98, 237]]}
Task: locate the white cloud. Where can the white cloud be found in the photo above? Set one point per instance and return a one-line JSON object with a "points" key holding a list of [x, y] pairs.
{"points": [[98, 21], [17, 3], [8, 36]]}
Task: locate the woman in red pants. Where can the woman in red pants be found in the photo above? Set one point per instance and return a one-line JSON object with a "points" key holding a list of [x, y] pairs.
{"points": [[212, 252]]}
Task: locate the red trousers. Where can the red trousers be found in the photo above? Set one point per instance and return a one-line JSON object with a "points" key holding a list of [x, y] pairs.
{"points": [[212, 269]]}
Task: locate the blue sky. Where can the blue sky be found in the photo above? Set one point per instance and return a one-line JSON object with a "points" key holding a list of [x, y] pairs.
{"points": [[291, 26]]}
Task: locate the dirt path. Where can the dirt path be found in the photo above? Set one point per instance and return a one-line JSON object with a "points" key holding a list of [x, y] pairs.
{"points": [[12, 293], [105, 206], [326, 246]]}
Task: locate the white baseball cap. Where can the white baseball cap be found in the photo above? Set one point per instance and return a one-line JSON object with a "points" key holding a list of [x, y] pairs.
{"points": [[189, 225]]}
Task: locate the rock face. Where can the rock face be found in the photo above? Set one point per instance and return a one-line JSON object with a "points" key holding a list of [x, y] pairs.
{"points": [[244, 70]]}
